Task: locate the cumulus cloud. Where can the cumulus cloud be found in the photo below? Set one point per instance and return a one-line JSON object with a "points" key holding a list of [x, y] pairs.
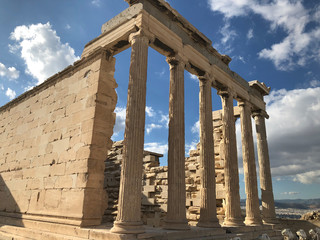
{"points": [[250, 33], [120, 120], [228, 34], [10, 73], [191, 146], [42, 50], [152, 126], [196, 127], [308, 177], [193, 77], [150, 112], [156, 147], [11, 94], [294, 133], [299, 46]]}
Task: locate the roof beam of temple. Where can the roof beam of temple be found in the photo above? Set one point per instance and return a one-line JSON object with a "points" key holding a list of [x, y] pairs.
{"points": [[173, 34]]}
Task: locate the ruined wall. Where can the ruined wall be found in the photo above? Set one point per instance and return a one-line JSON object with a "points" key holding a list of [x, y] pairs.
{"points": [[155, 183], [53, 142]]}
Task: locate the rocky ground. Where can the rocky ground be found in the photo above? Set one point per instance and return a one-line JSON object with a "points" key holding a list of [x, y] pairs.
{"points": [[308, 221]]}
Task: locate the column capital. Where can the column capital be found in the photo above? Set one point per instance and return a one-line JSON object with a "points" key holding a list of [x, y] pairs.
{"points": [[260, 113], [244, 103], [142, 34], [176, 59], [206, 78], [226, 92]]}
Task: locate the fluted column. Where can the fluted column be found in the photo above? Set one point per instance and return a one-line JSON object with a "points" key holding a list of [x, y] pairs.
{"points": [[268, 209], [249, 166], [176, 215], [231, 172], [129, 205], [208, 211]]}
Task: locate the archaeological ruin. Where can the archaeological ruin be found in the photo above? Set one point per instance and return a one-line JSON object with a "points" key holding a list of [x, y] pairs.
{"points": [[62, 177]]}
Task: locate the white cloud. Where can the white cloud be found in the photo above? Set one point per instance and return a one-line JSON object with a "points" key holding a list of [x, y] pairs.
{"points": [[298, 47], [11, 94], [120, 120], [162, 73], [96, 3], [152, 126], [193, 77], [290, 193], [294, 133], [196, 127], [150, 112], [41, 49], [11, 72], [250, 33], [308, 177], [156, 147], [227, 33], [164, 119], [67, 27], [191, 146], [1, 87]]}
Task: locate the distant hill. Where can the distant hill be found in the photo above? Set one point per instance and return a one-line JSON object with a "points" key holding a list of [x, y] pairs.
{"points": [[294, 203], [298, 203]]}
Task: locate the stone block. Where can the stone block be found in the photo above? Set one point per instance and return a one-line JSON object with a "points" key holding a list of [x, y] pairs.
{"points": [[52, 199], [80, 166]]}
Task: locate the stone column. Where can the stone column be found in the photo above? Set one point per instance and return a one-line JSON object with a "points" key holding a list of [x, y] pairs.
{"points": [[231, 172], [268, 209], [249, 166], [208, 211], [129, 205], [176, 214]]}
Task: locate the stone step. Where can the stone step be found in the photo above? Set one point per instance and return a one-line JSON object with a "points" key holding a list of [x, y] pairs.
{"points": [[19, 233], [7, 236]]}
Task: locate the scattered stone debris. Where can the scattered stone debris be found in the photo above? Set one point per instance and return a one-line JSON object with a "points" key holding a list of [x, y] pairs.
{"points": [[315, 215]]}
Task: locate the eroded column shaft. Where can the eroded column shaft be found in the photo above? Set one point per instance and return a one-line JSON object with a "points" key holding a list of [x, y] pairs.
{"points": [[129, 207], [176, 214], [231, 172], [208, 213], [249, 167], [268, 209]]}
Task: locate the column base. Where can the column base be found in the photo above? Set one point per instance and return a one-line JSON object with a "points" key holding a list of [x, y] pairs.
{"points": [[209, 224], [270, 220], [233, 222], [176, 225], [127, 227], [252, 221]]}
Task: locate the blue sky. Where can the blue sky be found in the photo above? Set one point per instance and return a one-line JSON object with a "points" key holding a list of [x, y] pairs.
{"points": [[273, 41]]}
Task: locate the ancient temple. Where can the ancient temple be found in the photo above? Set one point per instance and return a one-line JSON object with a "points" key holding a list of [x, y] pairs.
{"points": [[54, 140]]}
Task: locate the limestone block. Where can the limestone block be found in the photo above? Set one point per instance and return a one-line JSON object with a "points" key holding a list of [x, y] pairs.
{"points": [[67, 181], [149, 188], [35, 183], [162, 175], [52, 199], [80, 166]]}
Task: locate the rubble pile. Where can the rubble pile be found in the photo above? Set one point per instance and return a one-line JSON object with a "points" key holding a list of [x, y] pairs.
{"points": [[315, 215]]}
